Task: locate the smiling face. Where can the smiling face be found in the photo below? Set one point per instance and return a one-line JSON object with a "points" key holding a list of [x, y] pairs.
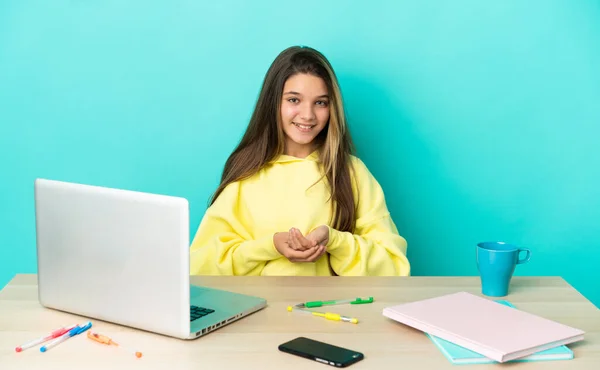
{"points": [[304, 113]]}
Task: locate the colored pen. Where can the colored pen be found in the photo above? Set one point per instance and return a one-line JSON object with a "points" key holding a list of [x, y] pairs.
{"points": [[327, 315], [334, 302], [100, 338], [55, 334], [71, 333]]}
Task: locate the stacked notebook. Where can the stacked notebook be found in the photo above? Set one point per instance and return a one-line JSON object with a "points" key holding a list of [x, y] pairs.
{"points": [[459, 355], [492, 331]]}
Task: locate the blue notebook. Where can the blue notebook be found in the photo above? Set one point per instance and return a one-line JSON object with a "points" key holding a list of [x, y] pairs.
{"points": [[460, 355]]}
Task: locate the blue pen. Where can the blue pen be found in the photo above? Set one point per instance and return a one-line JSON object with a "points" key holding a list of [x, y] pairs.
{"points": [[76, 330]]}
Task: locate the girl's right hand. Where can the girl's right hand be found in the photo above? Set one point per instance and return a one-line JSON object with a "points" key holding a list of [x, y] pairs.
{"points": [[298, 242], [308, 253]]}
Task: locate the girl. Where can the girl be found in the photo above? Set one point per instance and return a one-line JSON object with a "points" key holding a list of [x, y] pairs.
{"points": [[293, 200]]}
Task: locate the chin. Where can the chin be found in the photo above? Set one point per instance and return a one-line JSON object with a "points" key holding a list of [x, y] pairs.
{"points": [[303, 141]]}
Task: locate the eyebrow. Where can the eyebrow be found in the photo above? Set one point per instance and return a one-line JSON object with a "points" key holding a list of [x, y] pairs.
{"points": [[297, 93]]}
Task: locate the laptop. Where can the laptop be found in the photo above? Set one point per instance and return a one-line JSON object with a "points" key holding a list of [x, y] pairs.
{"points": [[122, 256]]}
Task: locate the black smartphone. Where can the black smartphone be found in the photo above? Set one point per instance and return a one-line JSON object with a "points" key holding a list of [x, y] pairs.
{"points": [[321, 352]]}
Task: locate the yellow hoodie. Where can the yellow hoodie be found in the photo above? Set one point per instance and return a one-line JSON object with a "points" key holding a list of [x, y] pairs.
{"points": [[235, 236]]}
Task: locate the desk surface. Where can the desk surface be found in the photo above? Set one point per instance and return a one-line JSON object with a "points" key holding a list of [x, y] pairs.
{"points": [[251, 343]]}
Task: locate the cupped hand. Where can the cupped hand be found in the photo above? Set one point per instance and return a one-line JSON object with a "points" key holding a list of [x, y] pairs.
{"points": [[296, 248]]}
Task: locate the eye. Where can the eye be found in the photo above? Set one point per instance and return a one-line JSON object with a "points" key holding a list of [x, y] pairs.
{"points": [[322, 102], [293, 100]]}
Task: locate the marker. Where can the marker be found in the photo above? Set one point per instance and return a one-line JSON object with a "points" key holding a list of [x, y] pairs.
{"points": [[100, 338], [71, 333], [334, 302], [327, 315], [55, 334]]}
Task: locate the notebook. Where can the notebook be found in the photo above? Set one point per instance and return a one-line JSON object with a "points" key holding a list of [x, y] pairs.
{"points": [[460, 356], [493, 330]]}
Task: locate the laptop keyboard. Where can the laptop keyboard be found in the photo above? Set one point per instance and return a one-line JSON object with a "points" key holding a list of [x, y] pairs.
{"points": [[198, 312]]}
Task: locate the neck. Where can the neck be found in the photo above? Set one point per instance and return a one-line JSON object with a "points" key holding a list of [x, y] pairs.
{"points": [[299, 151]]}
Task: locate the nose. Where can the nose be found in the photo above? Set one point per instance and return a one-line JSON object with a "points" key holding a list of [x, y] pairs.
{"points": [[307, 112]]}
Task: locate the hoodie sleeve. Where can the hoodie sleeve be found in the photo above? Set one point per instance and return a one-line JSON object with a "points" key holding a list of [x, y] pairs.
{"points": [[375, 247], [223, 244]]}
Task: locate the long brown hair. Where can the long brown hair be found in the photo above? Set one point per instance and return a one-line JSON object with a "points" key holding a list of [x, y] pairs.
{"points": [[264, 140]]}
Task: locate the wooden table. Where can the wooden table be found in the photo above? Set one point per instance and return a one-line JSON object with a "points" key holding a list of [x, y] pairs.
{"points": [[251, 343]]}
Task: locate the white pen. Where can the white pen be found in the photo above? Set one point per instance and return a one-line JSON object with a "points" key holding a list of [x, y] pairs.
{"points": [[55, 334]]}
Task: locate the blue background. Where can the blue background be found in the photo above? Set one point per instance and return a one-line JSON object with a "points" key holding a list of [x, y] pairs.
{"points": [[479, 119]]}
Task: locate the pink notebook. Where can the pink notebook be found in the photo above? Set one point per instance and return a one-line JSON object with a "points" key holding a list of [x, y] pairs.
{"points": [[496, 331]]}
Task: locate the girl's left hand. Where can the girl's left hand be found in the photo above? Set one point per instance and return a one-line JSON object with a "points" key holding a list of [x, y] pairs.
{"points": [[320, 235]]}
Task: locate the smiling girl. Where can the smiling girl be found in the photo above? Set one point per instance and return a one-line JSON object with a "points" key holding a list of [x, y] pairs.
{"points": [[293, 199]]}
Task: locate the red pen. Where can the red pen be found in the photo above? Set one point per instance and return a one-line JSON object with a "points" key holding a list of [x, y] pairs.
{"points": [[55, 334]]}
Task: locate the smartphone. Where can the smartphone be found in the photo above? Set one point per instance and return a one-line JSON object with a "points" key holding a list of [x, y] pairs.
{"points": [[321, 352]]}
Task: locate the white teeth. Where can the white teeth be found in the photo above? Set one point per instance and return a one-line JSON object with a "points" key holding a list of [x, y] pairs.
{"points": [[303, 126]]}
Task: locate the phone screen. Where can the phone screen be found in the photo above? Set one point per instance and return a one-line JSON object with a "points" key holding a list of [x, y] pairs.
{"points": [[321, 352]]}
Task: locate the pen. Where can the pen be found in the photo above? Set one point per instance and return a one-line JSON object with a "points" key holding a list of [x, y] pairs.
{"points": [[76, 330], [334, 302], [327, 315], [100, 338], [55, 334]]}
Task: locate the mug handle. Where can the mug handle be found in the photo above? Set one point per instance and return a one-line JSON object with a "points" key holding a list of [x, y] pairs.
{"points": [[527, 256]]}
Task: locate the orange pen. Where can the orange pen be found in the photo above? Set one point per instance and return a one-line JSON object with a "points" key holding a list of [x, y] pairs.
{"points": [[108, 341]]}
